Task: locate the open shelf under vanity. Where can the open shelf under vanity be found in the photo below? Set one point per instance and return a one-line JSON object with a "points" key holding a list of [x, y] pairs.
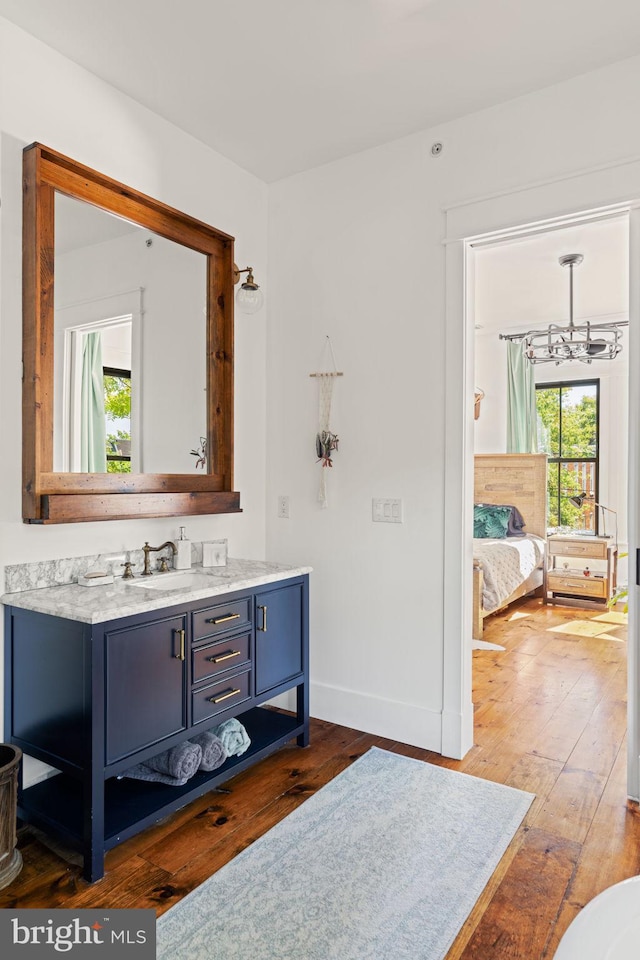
{"points": [[56, 804]]}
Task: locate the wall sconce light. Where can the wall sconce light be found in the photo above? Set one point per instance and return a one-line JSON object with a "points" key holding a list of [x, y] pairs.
{"points": [[249, 297]]}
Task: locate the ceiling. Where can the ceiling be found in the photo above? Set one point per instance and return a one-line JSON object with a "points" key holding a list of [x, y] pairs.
{"points": [[280, 86], [80, 225], [519, 285]]}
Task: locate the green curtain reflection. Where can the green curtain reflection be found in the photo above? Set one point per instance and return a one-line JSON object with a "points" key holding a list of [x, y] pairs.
{"points": [[521, 401], [93, 439]]}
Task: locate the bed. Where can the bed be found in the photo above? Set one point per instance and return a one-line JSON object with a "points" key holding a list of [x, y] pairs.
{"points": [[506, 569]]}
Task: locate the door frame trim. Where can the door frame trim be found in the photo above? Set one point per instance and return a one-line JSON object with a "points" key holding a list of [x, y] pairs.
{"points": [[580, 198]]}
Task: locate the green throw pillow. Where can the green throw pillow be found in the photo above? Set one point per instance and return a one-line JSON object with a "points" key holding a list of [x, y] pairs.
{"points": [[490, 521]]}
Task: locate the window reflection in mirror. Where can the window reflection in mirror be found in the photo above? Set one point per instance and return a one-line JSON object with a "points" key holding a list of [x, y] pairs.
{"points": [[116, 383], [130, 300]]}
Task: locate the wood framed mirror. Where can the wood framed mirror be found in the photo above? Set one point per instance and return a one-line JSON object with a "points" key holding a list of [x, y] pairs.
{"points": [[54, 492]]}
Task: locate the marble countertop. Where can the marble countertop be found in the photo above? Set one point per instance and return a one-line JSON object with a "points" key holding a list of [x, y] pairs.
{"points": [[125, 598]]}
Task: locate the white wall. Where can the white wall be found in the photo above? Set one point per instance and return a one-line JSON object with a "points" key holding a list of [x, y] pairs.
{"points": [[49, 99], [356, 252], [349, 258]]}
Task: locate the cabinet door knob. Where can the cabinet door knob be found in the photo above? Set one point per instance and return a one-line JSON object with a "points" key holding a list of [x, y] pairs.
{"points": [[181, 655], [263, 628]]}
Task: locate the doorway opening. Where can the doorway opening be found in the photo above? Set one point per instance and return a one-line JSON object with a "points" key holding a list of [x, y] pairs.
{"points": [[516, 285]]}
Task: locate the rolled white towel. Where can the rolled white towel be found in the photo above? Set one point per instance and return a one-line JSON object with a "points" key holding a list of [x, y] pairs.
{"points": [[234, 737]]}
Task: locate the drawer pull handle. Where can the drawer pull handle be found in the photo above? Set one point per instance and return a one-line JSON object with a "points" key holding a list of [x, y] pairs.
{"points": [[224, 656], [225, 696], [181, 634], [263, 628], [576, 584], [230, 616]]}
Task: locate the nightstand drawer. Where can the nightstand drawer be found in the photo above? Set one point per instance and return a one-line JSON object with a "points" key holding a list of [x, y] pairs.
{"points": [[579, 586], [593, 549]]}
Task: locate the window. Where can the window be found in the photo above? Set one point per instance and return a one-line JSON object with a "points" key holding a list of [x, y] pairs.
{"points": [[568, 432], [117, 408]]}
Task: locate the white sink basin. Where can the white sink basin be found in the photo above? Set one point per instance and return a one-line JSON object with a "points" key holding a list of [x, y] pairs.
{"points": [[174, 581]]}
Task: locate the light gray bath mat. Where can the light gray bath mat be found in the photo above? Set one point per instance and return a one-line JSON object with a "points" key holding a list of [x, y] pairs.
{"points": [[385, 861]]}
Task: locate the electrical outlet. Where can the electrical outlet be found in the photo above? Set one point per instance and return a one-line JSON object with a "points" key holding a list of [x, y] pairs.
{"points": [[283, 508], [386, 510]]}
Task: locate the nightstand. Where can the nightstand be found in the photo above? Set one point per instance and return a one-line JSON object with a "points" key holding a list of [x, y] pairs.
{"points": [[568, 557]]}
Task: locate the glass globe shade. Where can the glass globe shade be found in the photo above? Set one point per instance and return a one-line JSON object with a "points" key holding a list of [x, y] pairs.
{"points": [[249, 299]]}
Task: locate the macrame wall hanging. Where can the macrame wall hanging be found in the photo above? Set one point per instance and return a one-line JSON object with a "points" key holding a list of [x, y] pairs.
{"points": [[326, 439]]}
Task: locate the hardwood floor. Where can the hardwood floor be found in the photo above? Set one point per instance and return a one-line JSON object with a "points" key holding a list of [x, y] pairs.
{"points": [[550, 718]]}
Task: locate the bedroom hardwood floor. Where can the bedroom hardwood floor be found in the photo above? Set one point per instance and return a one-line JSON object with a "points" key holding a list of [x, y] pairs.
{"points": [[550, 719]]}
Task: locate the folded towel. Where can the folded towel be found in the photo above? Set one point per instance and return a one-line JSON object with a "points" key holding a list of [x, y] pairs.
{"points": [[234, 737], [213, 750], [142, 772], [180, 762], [173, 767]]}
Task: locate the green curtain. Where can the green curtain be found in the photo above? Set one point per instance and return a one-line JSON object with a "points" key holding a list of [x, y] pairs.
{"points": [[93, 433], [522, 433]]}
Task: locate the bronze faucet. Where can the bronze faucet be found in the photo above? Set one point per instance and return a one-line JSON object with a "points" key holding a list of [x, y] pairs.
{"points": [[147, 572], [128, 572]]}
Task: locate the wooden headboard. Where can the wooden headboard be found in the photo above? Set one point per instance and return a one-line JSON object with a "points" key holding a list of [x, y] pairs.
{"points": [[519, 479]]}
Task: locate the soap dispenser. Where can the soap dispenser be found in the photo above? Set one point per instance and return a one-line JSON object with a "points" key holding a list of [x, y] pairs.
{"points": [[182, 558]]}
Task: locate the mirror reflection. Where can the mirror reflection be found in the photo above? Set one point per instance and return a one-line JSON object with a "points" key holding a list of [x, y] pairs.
{"points": [[129, 346]]}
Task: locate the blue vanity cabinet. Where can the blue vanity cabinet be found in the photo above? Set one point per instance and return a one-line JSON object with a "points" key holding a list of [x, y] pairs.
{"points": [[278, 629], [282, 646], [47, 688], [145, 685], [93, 699]]}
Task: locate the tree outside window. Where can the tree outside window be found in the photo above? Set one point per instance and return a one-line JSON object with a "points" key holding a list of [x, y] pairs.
{"points": [[117, 408], [568, 432]]}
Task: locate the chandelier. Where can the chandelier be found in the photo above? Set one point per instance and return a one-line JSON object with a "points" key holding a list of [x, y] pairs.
{"points": [[575, 341]]}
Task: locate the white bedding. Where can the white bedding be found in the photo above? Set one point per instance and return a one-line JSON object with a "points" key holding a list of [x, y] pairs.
{"points": [[505, 565]]}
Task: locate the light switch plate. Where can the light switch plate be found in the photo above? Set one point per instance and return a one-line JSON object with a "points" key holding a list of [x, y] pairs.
{"points": [[387, 510]]}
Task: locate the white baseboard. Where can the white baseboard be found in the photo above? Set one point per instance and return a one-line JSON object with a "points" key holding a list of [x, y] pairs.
{"points": [[371, 714], [286, 701], [457, 733]]}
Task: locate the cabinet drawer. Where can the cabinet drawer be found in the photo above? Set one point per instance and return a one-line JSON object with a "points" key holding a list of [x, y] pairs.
{"points": [[580, 586], [596, 550], [220, 696], [221, 618], [212, 658]]}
